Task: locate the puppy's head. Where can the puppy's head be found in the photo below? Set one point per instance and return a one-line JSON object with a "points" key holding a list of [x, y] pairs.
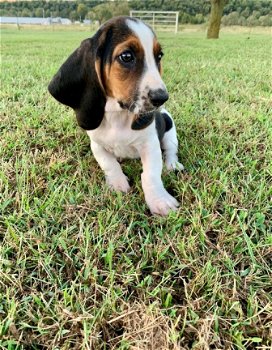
{"points": [[121, 61], [132, 71]]}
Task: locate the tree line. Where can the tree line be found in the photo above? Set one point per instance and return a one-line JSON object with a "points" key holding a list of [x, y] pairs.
{"points": [[236, 12]]}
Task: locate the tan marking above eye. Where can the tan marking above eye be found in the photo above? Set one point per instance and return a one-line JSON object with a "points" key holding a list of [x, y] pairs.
{"points": [[131, 43]]}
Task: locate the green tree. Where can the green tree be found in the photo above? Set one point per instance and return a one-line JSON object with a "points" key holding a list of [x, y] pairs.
{"points": [[105, 11], [252, 21], [120, 9], [82, 10], [38, 12], [55, 14], [26, 13], [265, 20], [231, 19], [73, 15], [242, 21], [256, 14], [245, 13], [199, 18], [64, 13], [102, 13]]}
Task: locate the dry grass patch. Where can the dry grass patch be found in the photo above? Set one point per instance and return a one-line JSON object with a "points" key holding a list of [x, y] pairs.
{"points": [[140, 328]]}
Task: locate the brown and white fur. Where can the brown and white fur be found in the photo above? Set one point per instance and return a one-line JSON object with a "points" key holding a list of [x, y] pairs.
{"points": [[113, 82]]}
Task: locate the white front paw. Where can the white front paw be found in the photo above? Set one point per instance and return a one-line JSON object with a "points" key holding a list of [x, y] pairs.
{"points": [[161, 204], [118, 183], [173, 165]]}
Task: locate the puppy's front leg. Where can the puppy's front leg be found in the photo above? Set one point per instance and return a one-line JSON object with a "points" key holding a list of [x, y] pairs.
{"points": [[157, 198], [115, 177]]}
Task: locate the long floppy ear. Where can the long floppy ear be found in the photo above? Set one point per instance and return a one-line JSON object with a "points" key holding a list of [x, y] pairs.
{"points": [[77, 85]]}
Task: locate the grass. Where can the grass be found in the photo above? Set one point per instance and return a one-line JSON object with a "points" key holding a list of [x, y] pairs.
{"points": [[85, 268]]}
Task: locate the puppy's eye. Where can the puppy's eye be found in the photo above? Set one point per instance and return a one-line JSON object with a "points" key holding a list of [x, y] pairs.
{"points": [[159, 57], [127, 57]]}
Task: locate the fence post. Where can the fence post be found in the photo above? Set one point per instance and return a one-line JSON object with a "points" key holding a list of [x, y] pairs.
{"points": [[176, 29]]}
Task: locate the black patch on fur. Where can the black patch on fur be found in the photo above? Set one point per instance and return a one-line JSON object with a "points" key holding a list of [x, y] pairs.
{"points": [[160, 125], [163, 124], [168, 121], [142, 121]]}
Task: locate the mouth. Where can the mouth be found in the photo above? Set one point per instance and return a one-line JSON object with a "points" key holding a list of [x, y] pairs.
{"points": [[148, 111], [133, 107], [124, 105], [148, 108], [142, 117], [130, 104]]}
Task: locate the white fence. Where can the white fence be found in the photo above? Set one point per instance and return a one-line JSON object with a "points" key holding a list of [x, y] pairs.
{"points": [[158, 20]]}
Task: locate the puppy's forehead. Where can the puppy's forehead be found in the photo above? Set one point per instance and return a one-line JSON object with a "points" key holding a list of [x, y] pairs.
{"points": [[143, 33]]}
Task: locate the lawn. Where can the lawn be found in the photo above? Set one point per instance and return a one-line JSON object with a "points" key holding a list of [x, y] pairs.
{"points": [[86, 268]]}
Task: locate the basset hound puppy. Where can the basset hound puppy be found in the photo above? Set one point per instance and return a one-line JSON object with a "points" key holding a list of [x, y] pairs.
{"points": [[113, 82]]}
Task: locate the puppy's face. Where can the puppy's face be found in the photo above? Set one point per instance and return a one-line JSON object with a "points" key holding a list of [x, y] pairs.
{"points": [[121, 61], [129, 65]]}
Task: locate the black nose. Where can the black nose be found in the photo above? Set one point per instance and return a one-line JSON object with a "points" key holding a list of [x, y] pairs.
{"points": [[158, 97]]}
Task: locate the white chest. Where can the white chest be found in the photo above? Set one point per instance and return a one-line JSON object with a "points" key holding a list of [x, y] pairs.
{"points": [[117, 137]]}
